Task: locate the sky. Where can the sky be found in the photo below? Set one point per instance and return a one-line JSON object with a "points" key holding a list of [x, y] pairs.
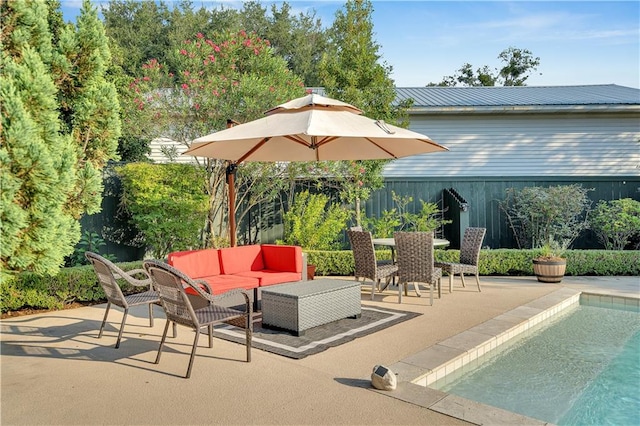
{"points": [[578, 42]]}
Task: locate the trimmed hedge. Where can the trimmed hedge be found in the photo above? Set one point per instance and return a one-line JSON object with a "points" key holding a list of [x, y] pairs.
{"points": [[79, 284], [499, 261]]}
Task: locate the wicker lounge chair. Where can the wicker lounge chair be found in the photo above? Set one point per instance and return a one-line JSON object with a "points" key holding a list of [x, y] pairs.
{"points": [[414, 254], [108, 274], [182, 308], [366, 265], [469, 257]]}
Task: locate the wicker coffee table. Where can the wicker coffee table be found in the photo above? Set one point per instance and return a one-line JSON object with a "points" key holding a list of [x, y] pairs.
{"points": [[302, 305]]}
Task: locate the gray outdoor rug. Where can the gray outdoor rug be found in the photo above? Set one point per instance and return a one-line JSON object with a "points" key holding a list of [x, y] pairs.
{"points": [[317, 339]]}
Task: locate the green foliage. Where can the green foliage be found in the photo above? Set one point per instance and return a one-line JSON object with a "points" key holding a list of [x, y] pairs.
{"points": [[352, 71], [90, 241], [27, 290], [400, 218], [229, 75], [38, 163], [145, 30], [89, 107], [168, 204], [503, 262], [76, 284], [313, 222], [616, 222], [546, 216], [518, 64]]}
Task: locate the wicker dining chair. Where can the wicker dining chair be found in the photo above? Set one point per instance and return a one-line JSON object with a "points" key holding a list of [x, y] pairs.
{"points": [[414, 255], [469, 257], [182, 308], [366, 264], [108, 274]]}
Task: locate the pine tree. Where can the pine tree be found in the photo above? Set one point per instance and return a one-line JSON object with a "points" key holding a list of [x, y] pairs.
{"points": [[351, 71], [89, 106], [60, 125], [37, 162]]}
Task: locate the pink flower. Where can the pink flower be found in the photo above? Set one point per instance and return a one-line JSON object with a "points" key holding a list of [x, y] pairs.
{"points": [[361, 169], [145, 78], [186, 73], [197, 106], [256, 51], [359, 183], [185, 86], [200, 35], [212, 58], [183, 52], [170, 74]]}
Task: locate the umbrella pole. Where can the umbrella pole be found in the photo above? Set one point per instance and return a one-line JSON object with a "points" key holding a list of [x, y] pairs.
{"points": [[231, 177]]}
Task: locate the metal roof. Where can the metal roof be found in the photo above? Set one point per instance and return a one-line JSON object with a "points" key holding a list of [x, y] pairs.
{"points": [[501, 96]]}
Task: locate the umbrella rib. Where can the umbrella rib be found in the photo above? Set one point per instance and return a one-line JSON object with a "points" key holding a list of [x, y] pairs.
{"points": [[388, 152], [252, 150]]}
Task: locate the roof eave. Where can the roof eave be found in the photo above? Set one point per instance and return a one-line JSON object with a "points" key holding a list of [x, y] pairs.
{"points": [[522, 109]]}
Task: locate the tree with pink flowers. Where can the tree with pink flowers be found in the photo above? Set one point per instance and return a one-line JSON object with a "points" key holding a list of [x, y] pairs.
{"points": [[225, 76]]}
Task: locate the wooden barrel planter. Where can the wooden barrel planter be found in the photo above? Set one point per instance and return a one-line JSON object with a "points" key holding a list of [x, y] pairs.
{"points": [[549, 270]]}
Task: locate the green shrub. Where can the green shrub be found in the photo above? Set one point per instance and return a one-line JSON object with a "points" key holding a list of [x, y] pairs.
{"points": [[428, 218], [168, 204], [314, 223], [507, 262], [28, 290], [553, 216], [616, 222], [76, 284]]}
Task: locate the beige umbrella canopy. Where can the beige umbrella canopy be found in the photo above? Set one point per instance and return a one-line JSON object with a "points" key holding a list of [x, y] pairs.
{"points": [[311, 128]]}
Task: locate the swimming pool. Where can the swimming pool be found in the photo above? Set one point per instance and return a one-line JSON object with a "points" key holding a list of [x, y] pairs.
{"points": [[582, 366]]}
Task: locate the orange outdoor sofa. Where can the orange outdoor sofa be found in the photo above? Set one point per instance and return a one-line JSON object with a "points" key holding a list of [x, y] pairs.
{"points": [[244, 267]]}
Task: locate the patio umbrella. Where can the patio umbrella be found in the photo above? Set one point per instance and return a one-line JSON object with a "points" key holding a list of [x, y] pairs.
{"points": [[311, 128]]}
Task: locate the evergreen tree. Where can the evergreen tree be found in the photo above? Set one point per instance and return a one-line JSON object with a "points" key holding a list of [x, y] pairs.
{"points": [[89, 106], [60, 125], [351, 72], [37, 161]]}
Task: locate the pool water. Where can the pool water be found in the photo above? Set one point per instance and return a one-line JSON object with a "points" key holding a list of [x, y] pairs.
{"points": [[580, 368]]}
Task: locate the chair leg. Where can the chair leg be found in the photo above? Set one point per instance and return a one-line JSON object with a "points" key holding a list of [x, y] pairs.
{"points": [[478, 282], [210, 330], [462, 279], [416, 287], [164, 337], [150, 314], [400, 288], [104, 320], [193, 354], [450, 282], [373, 288], [431, 293], [248, 331], [439, 288], [124, 320]]}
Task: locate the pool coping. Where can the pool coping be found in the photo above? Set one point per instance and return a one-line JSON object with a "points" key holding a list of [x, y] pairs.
{"points": [[416, 372]]}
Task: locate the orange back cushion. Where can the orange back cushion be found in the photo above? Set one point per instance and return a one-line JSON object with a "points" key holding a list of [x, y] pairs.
{"points": [[241, 259], [282, 258], [196, 263]]}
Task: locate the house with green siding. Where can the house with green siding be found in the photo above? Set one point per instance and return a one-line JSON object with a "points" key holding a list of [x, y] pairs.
{"points": [[502, 137]]}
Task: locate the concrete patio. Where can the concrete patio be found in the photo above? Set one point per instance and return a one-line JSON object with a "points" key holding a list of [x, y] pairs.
{"points": [[55, 371]]}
